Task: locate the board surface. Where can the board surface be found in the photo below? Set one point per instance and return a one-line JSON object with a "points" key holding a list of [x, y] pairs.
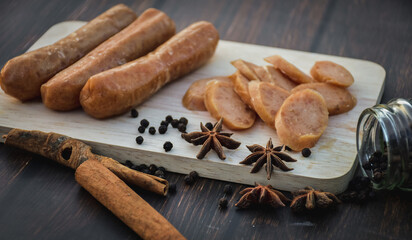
{"points": [[330, 166]]}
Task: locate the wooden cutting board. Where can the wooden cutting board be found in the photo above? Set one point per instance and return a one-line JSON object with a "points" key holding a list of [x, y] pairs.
{"points": [[330, 166]]}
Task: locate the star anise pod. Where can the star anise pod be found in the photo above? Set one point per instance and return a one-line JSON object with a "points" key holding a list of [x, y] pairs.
{"points": [[261, 195], [211, 139], [310, 198], [269, 155]]}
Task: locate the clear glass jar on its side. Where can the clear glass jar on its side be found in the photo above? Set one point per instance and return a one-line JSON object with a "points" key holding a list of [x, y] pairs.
{"points": [[384, 143]]}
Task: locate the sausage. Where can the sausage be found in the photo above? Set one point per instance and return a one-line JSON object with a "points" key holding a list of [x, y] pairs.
{"points": [[22, 76], [151, 29], [222, 102], [272, 75], [241, 83], [330, 72], [267, 99], [338, 100], [246, 68], [301, 119], [117, 90], [195, 94], [289, 69]]}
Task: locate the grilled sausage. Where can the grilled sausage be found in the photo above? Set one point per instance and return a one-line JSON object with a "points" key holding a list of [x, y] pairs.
{"points": [[115, 91], [22, 76], [151, 29]]}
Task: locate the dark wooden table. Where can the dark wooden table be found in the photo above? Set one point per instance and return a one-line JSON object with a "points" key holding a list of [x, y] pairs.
{"points": [[41, 200]]}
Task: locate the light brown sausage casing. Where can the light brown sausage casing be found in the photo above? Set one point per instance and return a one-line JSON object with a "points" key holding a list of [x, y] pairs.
{"points": [[117, 90], [151, 29], [22, 76]]}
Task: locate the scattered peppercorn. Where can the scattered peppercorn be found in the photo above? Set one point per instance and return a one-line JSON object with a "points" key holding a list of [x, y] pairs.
{"points": [[152, 168], [152, 130], [142, 167], [359, 190], [228, 190], [144, 123], [188, 180], [161, 169], [141, 129], [306, 152], [181, 127], [288, 148], [146, 170], [167, 146], [194, 175], [159, 173], [134, 113], [223, 203], [169, 118], [183, 120], [172, 188], [128, 163], [162, 129], [139, 140], [209, 125], [174, 123], [135, 167], [165, 123]]}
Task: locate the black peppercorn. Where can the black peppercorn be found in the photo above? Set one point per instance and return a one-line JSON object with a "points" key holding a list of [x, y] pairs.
{"points": [[169, 118], [162, 129], [152, 130], [139, 139], [165, 123], [188, 180], [223, 203], [172, 188], [174, 123], [181, 127], [194, 175], [134, 113], [183, 120], [152, 168], [228, 189], [128, 163], [142, 166], [159, 173], [167, 146], [144, 123], [146, 170], [135, 167], [161, 169], [141, 129], [209, 125], [306, 152]]}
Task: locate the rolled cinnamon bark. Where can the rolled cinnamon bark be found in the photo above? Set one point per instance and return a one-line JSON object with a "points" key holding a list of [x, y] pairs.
{"points": [[123, 202]]}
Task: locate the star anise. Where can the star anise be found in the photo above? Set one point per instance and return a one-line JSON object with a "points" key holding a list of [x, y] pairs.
{"points": [[269, 155], [261, 195], [310, 198], [211, 139]]}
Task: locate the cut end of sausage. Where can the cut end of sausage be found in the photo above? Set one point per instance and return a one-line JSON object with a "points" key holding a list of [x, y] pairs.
{"points": [[221, 101], [290, 70], [333, 73], [302, 119]]}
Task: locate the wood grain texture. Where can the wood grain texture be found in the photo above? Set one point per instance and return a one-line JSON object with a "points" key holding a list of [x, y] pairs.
{"points": [[40, 199]]}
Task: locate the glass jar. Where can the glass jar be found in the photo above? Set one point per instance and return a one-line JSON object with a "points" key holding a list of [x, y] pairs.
{"points": [[384, 144]]}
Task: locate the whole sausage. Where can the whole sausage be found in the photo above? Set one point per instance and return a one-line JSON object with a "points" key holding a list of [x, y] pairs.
{"points": [[151, 29], [117, 90], [22, 76]]}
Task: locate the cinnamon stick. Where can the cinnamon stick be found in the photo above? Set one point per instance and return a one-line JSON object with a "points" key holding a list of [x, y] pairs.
{"points": [[71, 153], [114, 194]]}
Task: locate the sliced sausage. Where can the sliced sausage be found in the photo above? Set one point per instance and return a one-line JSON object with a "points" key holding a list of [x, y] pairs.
{"points": [[151, 29], [330, 72], [338, 100], [272, 75], [267, 100], [301, 119], [222, 102], [117, 90], [246, 68], [289, 69], [194, 96], [241, 87], [22, 76]]}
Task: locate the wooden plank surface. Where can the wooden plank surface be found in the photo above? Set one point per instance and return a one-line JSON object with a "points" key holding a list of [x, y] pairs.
{"points": [[40, 199], [330, 167]]}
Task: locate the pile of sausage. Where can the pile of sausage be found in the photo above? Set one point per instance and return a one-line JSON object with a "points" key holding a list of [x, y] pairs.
{"points": [[113, 63], [293, 103]]}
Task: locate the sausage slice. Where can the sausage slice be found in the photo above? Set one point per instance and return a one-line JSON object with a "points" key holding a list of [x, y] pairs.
{"points": [[289, 69], [338, 100], [222, 102], [195, 94], [272, 75], [302, 119], [246, 68], [267, 100], [241, 87], [330, 72]]}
